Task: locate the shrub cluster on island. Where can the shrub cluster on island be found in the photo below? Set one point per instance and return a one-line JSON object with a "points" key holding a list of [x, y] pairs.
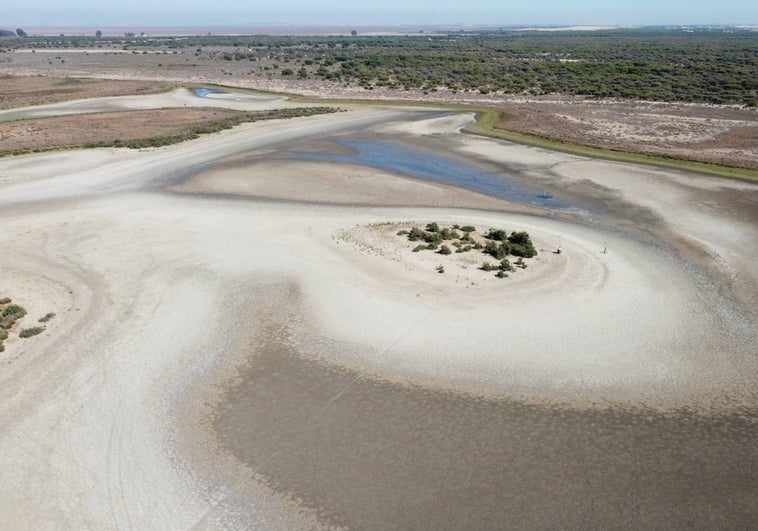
{"points": [[10, 315], [496, 243]]}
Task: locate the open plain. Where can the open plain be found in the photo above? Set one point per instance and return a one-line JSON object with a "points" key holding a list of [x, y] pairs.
{"points": [[242, 340]]}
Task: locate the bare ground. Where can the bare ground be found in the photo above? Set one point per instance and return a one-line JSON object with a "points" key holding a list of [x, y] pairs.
{"points": [[103, 128], [25, 91], [716, 135]]}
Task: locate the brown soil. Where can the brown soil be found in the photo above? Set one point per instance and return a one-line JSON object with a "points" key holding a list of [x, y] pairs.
{"points": [[103, 128], [717, 135], [26, 91]]}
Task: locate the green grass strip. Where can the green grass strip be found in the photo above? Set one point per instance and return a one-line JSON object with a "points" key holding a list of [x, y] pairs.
{"points": [[488, 118]]}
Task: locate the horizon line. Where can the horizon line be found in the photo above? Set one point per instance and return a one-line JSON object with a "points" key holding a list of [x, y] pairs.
{"points": [[399, 25]]}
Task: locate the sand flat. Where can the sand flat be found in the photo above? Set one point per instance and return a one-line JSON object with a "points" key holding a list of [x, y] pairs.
{"points": [[171, 294], [181, 97], [330, 183]]}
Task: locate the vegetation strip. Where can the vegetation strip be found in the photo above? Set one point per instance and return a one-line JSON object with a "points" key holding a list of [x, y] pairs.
{"points": [[116, 128], [487, 124]]}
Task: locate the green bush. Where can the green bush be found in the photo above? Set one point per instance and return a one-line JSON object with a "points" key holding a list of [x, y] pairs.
{"points": [[416, 234], [433, 237], [498, 251], [445, 250], [419, 248], [497, 235], [29, 332], [448, 234], [491, 249], [10, 315], [519, 237], [526, 251], [468, 228], [521, 245], [432, 227], [46, 318], [14, 309]]}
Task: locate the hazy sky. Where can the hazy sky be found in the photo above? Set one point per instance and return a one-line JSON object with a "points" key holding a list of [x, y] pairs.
{"points": [[146, 13]]}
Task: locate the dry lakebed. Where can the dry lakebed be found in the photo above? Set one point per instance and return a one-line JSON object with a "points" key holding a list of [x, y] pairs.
{"points": [[244, 336]]}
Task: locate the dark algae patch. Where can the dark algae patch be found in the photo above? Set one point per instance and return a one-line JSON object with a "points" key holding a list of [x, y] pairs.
{"points": [[371, 454]]}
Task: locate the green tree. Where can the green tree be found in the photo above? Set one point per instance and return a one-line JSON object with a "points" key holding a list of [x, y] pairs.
{"points": [[497, 235]]}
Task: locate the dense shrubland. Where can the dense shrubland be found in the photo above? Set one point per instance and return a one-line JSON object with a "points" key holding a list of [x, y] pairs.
{"points": [[689, 65]]}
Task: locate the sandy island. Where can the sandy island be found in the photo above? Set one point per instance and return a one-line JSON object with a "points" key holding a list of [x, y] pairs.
{"points": [[183, 275]]}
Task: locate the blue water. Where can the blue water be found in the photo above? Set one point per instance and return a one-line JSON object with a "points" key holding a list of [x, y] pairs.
{"points": [[203, 92], [397, 158]]}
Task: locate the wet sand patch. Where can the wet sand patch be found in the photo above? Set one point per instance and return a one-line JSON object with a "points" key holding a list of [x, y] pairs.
{"points": [[333, 183], [368, 453]]}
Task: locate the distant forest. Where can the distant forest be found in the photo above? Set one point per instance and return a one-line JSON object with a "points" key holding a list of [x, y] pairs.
{"points": [[706, 65]]}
